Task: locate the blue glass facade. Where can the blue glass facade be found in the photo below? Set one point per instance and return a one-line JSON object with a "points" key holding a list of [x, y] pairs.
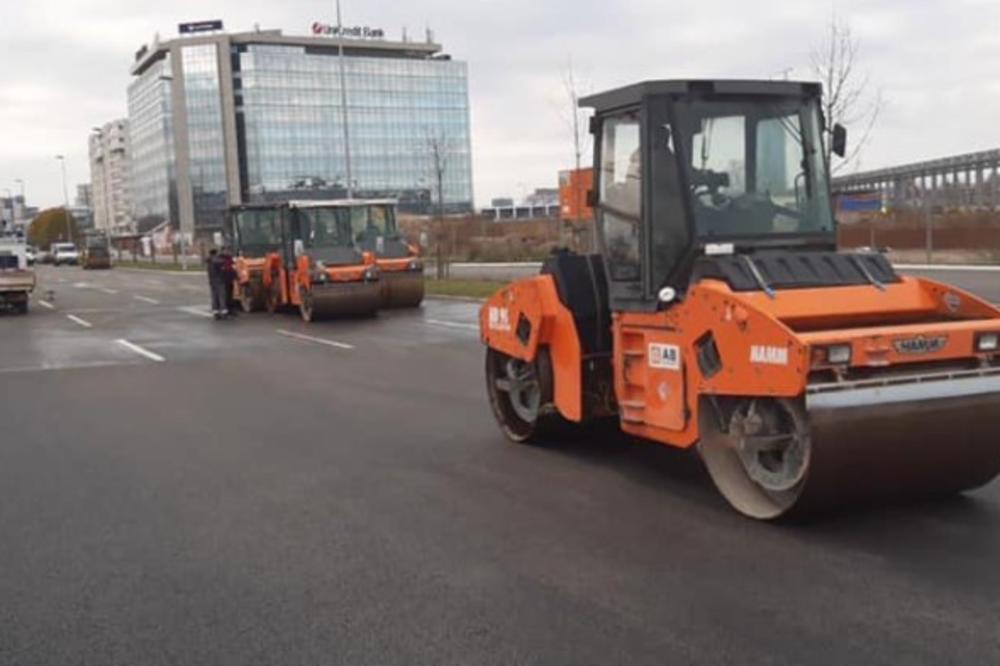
{"points": [[153, 177], [294, 139], [205, 139], [245, 118]]}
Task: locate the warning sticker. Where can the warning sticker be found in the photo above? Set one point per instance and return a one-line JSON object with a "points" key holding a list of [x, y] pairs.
{"points": [[664, 357]]}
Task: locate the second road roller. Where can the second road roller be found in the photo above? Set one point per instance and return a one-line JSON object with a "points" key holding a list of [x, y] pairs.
{"points": [[307, 259], [720, 316]]}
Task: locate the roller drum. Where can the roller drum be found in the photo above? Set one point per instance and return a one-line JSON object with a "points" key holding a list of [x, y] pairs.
{"points": [[402, 289], [345, 298], [857, 445]]}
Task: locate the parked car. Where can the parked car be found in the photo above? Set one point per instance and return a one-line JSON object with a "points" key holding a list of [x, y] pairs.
{"points": [[30, 254], [65, 253]]}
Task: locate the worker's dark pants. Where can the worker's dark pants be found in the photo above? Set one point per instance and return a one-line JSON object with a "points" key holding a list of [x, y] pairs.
{"points": [[219, 301]]}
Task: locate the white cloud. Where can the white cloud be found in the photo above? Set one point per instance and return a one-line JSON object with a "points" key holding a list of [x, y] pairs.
{"points": [[66, 67]]}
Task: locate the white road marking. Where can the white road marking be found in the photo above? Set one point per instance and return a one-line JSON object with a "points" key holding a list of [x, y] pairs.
{"points": [[139, 350], [196, 311], [452, 324], [154, 283], [81, 322], [144, 299], [107, 291], [321, 341], [46, 304]]}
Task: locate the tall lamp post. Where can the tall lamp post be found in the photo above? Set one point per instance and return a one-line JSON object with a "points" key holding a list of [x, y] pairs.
{"points": [[343, 104], [62, 163]]}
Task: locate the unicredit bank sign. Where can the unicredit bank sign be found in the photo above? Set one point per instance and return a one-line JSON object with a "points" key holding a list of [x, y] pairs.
{"points": [[356, 32]]}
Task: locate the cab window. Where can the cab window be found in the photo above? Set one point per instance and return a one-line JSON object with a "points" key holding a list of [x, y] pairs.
{"points": [[621, 195]]}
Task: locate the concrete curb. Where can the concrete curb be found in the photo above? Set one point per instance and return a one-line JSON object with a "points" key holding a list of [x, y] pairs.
{"points": [[461, 299]]}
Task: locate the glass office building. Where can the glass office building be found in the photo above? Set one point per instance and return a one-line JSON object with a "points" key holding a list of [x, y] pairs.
{"points": [[224, 119]]}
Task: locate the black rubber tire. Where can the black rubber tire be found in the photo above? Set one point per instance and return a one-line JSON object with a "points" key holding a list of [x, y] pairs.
{"points": [[247, 303], [306, 309], [272, 297], [547, 424]]}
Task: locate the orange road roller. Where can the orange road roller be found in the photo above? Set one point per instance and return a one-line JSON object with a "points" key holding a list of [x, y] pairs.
{"points": [[719, 315], [318, 268]]}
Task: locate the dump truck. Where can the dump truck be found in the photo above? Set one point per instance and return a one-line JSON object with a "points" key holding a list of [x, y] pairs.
{"points": [[96, 251], [399, 262], [720, 317], [319, 269], [17, 281], [257, 237]]}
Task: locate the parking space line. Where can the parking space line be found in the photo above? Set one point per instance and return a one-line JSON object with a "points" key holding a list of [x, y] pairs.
{"points": [[81, 322], [309, 338], [452, 324], [144, 299], [194, 310], [46, 304], [139, 350]]}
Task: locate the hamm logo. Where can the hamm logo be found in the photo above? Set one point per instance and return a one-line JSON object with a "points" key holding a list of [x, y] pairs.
{"points": [[764, 355], [499, 319], [921, 345]]}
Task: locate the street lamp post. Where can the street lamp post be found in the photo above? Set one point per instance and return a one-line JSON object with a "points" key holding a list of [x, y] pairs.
{"points": [[343, 103], [62, 163]]}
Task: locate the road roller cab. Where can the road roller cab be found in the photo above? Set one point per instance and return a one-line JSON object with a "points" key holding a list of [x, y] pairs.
{"points": [[399, 262], [319, 269], [257, 233], [720, 315]]}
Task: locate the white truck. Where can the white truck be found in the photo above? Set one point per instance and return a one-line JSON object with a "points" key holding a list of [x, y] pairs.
{"points": [[17, 281]]}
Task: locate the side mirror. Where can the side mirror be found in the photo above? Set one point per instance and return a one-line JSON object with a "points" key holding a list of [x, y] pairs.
{"points": [[839, 146], [299, 247]]}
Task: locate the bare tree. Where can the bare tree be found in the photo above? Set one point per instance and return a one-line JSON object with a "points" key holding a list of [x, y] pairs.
{"points": [[438, 147], [576, 121], [849, 97]]}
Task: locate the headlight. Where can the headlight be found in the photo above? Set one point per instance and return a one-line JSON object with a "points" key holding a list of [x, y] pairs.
{"points": [[416, 265], [319, 276], [988, 342], [832, 355], [371, 273]]}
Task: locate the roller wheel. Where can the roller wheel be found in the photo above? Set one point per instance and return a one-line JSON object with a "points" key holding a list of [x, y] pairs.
{"points": [[273, 297], [306, 306], [757, 452], [520, 395], [247, 298]]}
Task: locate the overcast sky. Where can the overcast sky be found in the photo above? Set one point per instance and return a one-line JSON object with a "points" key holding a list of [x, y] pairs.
{"points": [[65, 67]]}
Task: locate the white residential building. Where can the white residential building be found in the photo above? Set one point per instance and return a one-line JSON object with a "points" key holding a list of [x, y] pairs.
{"points": [[109, 176]]}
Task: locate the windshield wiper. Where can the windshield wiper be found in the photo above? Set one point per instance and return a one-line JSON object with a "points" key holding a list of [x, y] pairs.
{"points": [[758, 277]]}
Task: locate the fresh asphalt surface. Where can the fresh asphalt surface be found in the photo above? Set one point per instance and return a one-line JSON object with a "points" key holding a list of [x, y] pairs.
{"points": [[175, 490]]}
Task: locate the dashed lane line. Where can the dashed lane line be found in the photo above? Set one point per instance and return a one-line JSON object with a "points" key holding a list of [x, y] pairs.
{"points": [[131, 346], [196, 311], [81, 322], [111, 292], [46, 304], [452, 324], [320, 341], [144, 299]]}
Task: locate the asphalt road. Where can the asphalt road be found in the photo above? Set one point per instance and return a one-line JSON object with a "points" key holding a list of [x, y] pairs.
{"points": [[175, 490]]}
